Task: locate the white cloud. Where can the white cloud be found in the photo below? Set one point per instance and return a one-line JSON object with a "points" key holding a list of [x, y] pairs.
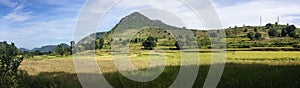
{"points": [[39, 33], [230, 13], [30, 26], [8, 3], [17, 17], [17, 14], [174, 9], [249, 12], [90, 16], [23, 27], [165, 16], [56, 2]]}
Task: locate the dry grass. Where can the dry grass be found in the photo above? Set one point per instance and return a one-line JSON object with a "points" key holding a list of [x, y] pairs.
{"points": [[106, 63], [246, 72]]}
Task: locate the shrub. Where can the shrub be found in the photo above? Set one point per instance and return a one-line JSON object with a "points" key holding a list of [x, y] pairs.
{"points": [[251, 35], [273, 32], [150, 43], [244, 46], [178, 44], [10, 76], [296, 46], [260, 45]]}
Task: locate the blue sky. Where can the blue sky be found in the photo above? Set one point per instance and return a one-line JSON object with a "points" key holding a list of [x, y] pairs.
{"points": [[34, 23]]}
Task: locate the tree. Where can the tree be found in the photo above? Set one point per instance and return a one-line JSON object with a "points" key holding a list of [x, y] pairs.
{"points": [[48, 53], [257, 36], [27, 54], [67, 51], [72, 43], [111, 40], [276, 23], [246, 30], [136, 40], [273, 32], [150, 43], [178, 44], [255, 30], [37, 52], [292, 34], [251, 35], [9, 64], [59, 50], [291, 30], [99, 43], [13, 49], [151, 38], [269, 25], [155, 39], [204, 42], [283, 32]]}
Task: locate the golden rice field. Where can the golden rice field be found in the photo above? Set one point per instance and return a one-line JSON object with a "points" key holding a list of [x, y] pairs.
{"points": [[275, 69], [55, 64]]}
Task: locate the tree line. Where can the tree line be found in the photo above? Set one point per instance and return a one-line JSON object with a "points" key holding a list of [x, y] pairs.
{"points": [[274, 31]]}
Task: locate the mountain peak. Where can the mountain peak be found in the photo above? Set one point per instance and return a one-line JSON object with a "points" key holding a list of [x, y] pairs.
{"points": [[137, 20], [135, 16], [136, 13]]}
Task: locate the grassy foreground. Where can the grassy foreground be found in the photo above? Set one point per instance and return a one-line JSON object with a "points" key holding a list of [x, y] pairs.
{"points": [[243, 69]]}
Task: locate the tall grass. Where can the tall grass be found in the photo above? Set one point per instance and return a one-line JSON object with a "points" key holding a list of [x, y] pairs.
{"points": [[246, 69]]}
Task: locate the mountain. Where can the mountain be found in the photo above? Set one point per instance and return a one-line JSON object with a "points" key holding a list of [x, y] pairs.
{"points": [[46, 48], [133, 21], [137, 20], [89, 38], [24, 49]]}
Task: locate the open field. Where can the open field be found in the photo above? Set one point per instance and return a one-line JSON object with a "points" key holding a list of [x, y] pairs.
{"points": [[243, 69], [70, 44]]}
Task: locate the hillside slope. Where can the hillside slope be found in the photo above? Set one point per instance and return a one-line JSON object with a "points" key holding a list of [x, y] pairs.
{"points": [[141, 27]]}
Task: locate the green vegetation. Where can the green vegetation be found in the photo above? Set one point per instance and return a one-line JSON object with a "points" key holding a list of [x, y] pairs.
{"points": [[10, 76], [59, 50], [178, 44], [257, 56], [150, 43], [270, 35], [275, 69], [99, 43], [251, 35]]}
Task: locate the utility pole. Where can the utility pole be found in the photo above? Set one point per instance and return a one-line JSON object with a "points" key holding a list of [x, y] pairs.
{"points": [[277, 22], [260, 23], [278, 19]]}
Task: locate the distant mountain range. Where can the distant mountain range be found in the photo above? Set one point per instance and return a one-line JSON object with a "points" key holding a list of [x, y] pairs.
{"points": [[46, 48]]}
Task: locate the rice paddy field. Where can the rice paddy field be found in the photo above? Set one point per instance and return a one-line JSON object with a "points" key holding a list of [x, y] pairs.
{"points": [[243, 69]]}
